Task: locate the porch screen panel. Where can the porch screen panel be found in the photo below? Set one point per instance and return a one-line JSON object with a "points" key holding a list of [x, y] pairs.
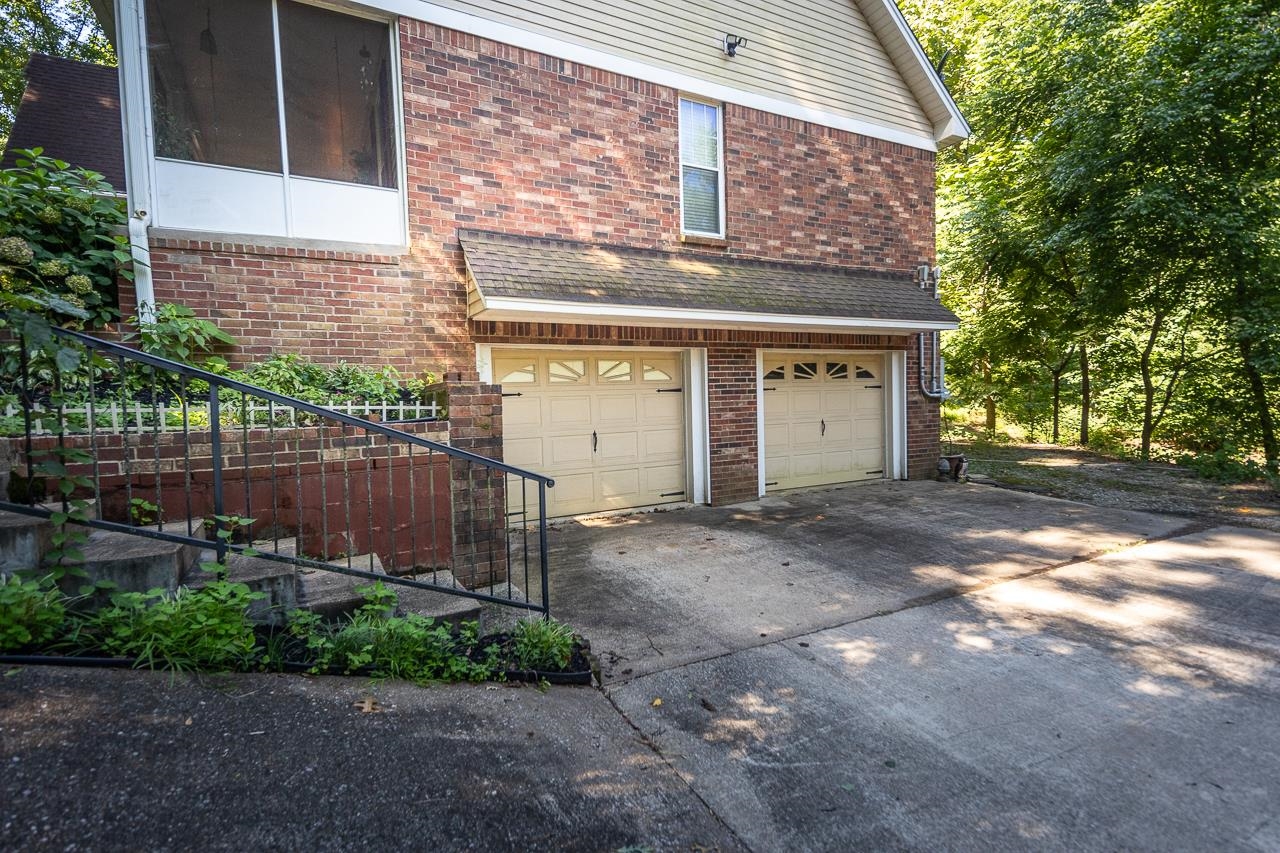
{"points": [[213, 82], [337, 96]]}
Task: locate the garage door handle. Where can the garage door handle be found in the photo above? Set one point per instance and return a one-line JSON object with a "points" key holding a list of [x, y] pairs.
{"points": [[595, 441], [670, 390], [824, 427]]}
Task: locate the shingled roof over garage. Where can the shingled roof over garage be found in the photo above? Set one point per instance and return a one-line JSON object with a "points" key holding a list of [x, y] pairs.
{"points": [[513, 275]]}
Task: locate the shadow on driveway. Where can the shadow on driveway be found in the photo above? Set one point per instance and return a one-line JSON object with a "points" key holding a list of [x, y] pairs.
{"points": [[661, 589]]}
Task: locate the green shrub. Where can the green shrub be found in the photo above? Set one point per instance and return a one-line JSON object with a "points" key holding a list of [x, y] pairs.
{"points": [[542, 644], [62, 233], [1225, 465], [200, 629], [415, 648], [31, 612]]}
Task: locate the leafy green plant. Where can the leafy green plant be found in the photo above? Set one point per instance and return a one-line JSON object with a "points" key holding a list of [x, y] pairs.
{"points": [[542, 644], [176, 333], [31, 612], [62, 236], [411, 647], [200, 629], [1226, 465], [143, 512]]}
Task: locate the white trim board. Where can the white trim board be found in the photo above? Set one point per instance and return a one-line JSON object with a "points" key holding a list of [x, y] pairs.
{"points": [[687, 83], [500, 308]]}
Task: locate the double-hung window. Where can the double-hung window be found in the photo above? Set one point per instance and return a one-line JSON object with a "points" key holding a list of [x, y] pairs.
{"points": [[274, 117], [701, 169]]}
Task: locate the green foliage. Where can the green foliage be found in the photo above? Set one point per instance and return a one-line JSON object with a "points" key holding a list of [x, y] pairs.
{"points": [[176, 333], [31, 612], [61, 237], [1225, 465], [542, 644], [1118, 209], [201, 629], [295, 376], [415, 648]]}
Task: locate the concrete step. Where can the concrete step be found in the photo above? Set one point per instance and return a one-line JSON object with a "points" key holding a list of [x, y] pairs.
{"points": [[133, 563], [331, 594], [25, 539], [438, 605], [277, 581]]}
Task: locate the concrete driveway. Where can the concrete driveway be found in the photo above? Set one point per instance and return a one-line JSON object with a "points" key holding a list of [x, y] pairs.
{"points": [[904, 666], [929, 667]]}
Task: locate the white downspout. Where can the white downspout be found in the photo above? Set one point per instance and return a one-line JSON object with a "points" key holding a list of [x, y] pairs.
{"points": [[136, 133]]}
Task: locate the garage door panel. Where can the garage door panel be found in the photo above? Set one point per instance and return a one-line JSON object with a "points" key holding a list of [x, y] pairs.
{"points": [[805, 464], [806, 434], [617, 408], [525, 411], [574, 489], [662, 444], [869, 434], [804, 403], [619, 484], [569, 451], [868, 403], [838, 432], [614, 448], [838, 462], [662, 479], [572, 412], [523, 452], [777, 437], [661, 408]]}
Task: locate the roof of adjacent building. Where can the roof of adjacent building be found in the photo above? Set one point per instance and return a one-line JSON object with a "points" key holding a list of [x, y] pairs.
{"points": [[507, 266], [72, 110]]}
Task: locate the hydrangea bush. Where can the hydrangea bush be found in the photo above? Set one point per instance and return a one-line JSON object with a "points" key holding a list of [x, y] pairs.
{"points": [[63, 240]]}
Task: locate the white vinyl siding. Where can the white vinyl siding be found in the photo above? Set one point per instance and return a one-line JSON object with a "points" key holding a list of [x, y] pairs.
{"points": [[701, 169], [821, 54]]}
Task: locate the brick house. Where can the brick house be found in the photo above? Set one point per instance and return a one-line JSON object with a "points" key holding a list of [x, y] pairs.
{"points": [[654, 270]]}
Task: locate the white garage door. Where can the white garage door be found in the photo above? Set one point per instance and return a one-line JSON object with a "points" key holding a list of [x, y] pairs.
{"points": [[824, 419], [609, 427]]}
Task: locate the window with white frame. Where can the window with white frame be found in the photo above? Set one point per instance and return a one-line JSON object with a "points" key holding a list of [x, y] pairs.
{"points": [[701, 169], [274, 117]]}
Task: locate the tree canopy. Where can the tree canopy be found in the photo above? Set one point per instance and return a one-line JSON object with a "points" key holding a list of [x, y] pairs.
{"points": [[1109, 234]]}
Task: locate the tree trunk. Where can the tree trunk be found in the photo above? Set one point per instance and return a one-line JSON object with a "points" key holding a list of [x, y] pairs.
{"points": [[1258, 390], [1149, 387], [990, 401], [1085, 398], [1057, 402]]}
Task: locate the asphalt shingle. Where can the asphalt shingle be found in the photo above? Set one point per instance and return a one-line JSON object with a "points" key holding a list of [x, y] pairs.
{"points": [[512, 266]]}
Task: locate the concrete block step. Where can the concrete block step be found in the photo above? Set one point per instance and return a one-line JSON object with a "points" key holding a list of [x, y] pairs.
{"points": [[331, 594], [277, 581], [438, 605], [133, 563], [25, 539]]}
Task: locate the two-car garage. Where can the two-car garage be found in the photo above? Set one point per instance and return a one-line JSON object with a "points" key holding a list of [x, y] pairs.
{"points": [[619, 430]]}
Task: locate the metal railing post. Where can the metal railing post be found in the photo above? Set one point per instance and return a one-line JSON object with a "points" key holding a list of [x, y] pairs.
{"points": [[542, 546], [215, 436]]}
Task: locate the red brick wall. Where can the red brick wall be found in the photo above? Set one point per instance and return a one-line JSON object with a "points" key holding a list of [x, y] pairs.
{"points": [[507, 139]]}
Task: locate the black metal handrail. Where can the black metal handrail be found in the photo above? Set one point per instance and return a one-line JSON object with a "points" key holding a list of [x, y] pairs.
{"points": [[481, 516]]}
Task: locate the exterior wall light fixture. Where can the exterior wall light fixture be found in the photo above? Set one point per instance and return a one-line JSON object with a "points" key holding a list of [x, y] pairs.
{"points": [[732, 43]]}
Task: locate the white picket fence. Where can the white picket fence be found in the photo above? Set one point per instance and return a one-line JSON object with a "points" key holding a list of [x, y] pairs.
{"points": [[137, 417]]}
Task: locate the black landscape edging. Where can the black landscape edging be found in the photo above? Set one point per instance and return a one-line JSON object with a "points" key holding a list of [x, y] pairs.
{"points": [[295, 667]]}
